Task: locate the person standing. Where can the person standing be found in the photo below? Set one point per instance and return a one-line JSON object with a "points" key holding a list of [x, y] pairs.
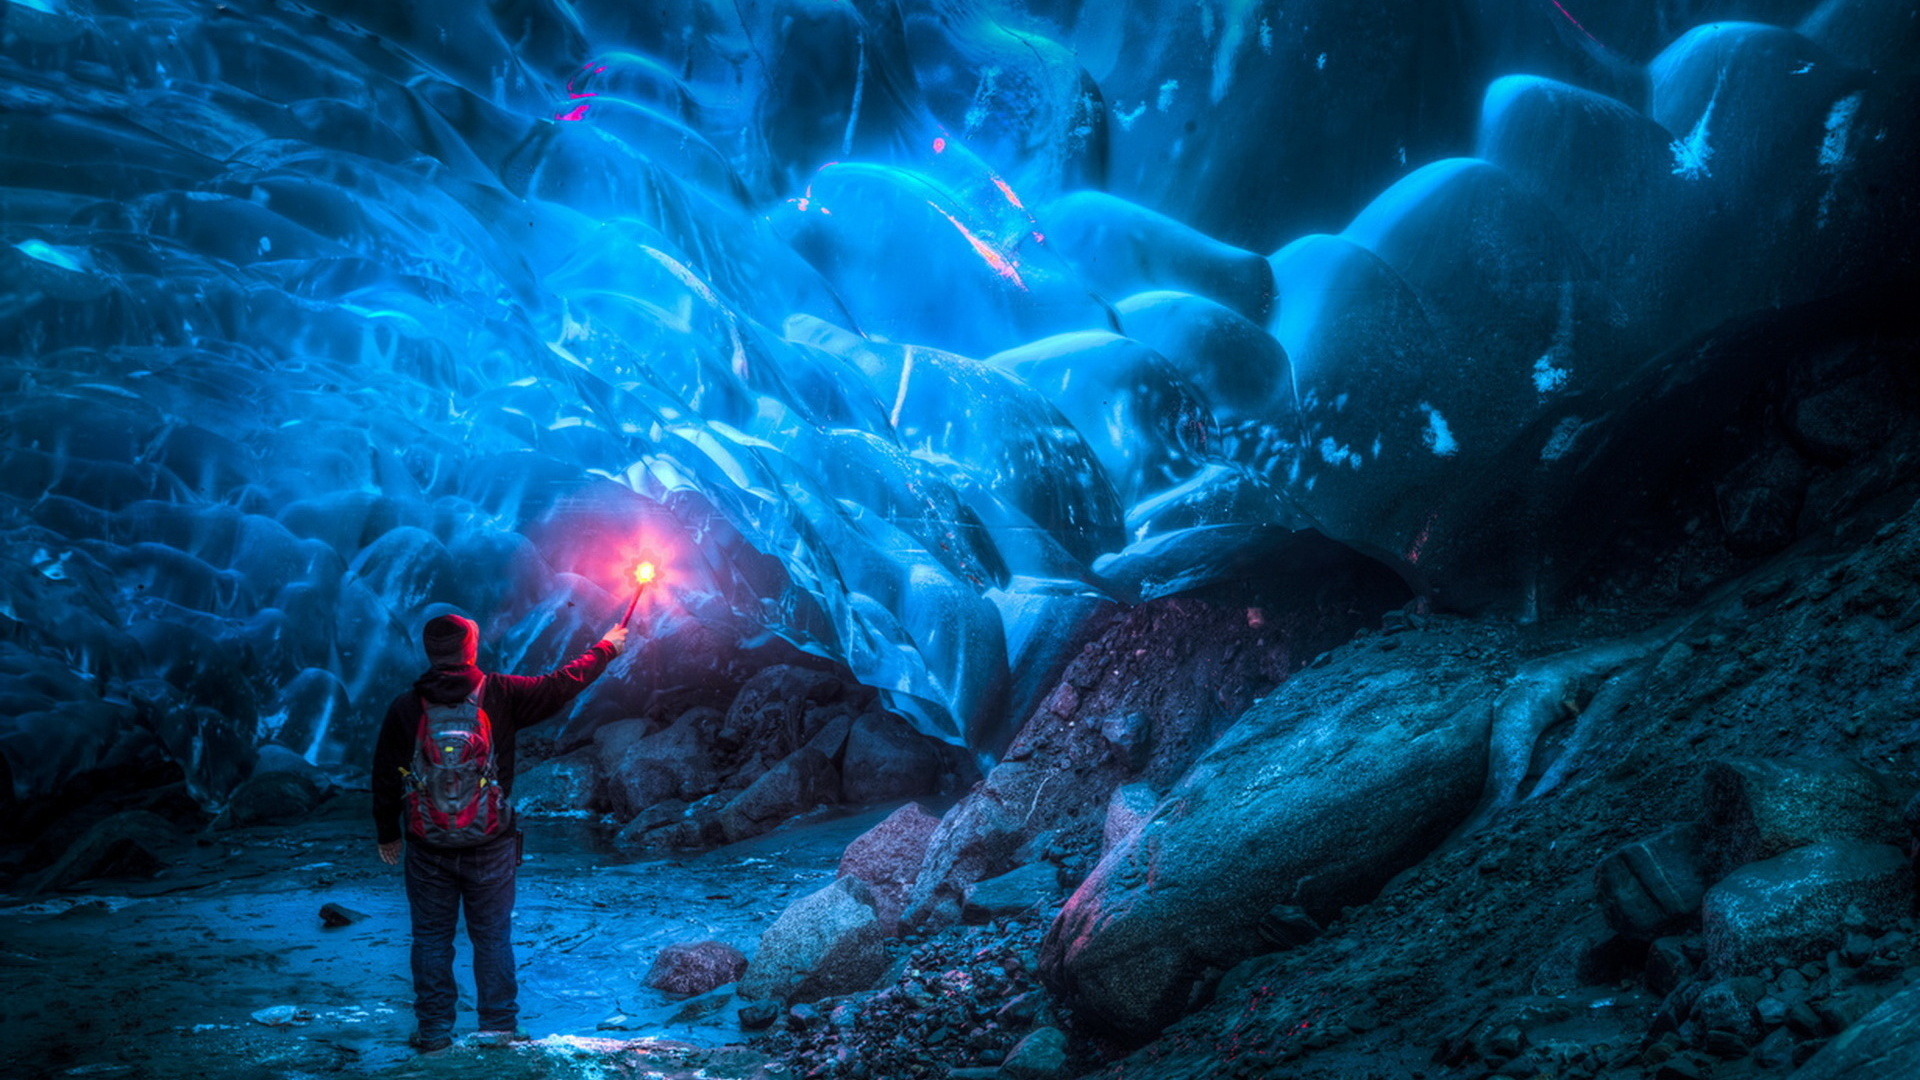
{"points": [[443, 778]]}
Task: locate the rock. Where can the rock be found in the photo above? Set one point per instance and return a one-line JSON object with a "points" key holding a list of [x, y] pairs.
{"points": [[638, 770], [335, 915], [887, 857], [1131, 736], [1031, 886], [758, 1015], [1886, 1042], [829, 942], [128, 845], [1315, 798], [1669, 963], [801, 781], [272, 796], [1042, 1055], [1729, 1006], [885, 759], [1792, 905], [770, 716], [1760, 808], [701, 1007], [281, 1015], [695, 968], [1130, 807], [563, 787], [1653, 886]]}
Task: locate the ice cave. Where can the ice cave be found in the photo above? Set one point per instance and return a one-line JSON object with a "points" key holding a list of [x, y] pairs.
{"points": [[960, 539]]}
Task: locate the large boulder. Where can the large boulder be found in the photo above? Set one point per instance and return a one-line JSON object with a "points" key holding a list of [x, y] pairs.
{"points": [[887, 858], [272, 796], [637, 772], [131, 844], [563, 787], [886, 759], [777, 712], [1886, 1042], [801, 781], [695, 968], [1760, 808], [1653, 886], [1035, 885], [828, 942], [1794, 905], [1313, 801]]}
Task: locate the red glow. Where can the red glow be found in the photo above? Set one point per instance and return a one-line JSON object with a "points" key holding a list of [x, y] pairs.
{"points": [[578, 112], [1575, 22], [994, 259], [939, 144], [1008, 192]]}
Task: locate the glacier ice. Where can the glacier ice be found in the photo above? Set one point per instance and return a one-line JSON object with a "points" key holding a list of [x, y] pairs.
{"points": [[916, 335]]}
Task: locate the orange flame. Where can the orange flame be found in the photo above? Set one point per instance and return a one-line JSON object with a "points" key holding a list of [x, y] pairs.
{"points": [[643, 573]]}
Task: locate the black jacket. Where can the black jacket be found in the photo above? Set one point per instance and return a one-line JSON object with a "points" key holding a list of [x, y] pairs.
{"points": [[511, 701]]}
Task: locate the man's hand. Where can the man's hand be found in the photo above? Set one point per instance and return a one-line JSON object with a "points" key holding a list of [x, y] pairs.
{"points": [[616, 637], [390, 852]]}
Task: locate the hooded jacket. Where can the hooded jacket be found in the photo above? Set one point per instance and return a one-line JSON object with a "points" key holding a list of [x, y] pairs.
{"points": [[511, 702]]}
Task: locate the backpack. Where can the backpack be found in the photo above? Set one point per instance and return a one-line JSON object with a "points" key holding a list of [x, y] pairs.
{"points": [[454, 798]]}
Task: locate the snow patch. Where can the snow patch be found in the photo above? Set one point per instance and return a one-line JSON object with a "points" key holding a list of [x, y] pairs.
{"points": [[1565, 434], [1438, 437], [1691, 154], [1547, 378]]}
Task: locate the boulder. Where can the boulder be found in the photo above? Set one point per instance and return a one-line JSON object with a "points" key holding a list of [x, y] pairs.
{"points": [[639, 769], [1886, 1042], [126, 845], [695, 968], [1042, 1055], [1313, 800], [886, 759], [829, 942], [1653, 886], [564, 786], [770, 716], [887, 858], [801, 781], [272, 796], [1793, 905], [1032, 886], [1760, 808]]}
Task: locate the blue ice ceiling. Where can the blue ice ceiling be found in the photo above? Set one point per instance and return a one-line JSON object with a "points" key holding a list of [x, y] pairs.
{"points": [[911, 332]]}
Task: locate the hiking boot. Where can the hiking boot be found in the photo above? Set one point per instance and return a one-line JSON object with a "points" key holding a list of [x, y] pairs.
{"points": [[429, 1044], [501, 1037]]}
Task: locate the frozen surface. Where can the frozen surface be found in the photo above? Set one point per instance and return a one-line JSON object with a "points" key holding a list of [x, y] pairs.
{"points": [[175, 969], [910, 333]]}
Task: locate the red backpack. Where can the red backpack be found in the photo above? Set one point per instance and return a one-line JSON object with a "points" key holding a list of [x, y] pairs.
{"points": [[453, 795]]}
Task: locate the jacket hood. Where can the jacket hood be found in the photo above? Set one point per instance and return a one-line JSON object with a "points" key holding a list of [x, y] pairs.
{"points": [[448, 685]]}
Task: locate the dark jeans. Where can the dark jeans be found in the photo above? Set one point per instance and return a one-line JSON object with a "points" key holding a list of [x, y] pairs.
{"points": [[438, 886]]}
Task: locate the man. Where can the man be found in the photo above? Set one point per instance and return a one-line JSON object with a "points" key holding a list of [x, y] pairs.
{"points": [[445, 762]]}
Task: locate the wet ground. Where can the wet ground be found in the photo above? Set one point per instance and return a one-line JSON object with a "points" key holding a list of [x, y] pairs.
{"points": [[164, 977]]}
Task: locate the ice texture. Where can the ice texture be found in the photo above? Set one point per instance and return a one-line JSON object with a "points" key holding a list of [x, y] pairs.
{"points": [[913, 334]]}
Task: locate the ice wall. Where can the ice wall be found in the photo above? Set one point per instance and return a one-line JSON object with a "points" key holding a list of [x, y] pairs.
{"points": [[907, 331]]}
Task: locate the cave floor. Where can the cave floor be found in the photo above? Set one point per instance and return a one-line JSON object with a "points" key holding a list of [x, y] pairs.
{"points": [[163, 977]]}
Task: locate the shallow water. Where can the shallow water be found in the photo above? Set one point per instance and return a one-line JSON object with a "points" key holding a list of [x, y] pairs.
{"points": [[162, 977]]}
